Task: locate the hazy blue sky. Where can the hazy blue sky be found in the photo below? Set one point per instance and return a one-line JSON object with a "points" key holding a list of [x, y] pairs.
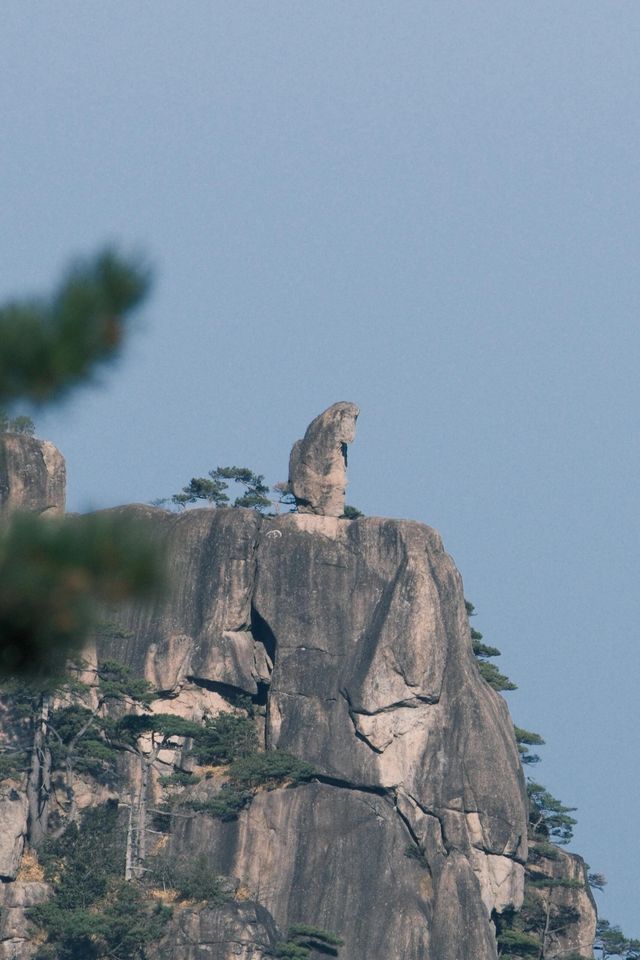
{"points": [[428, 208]]}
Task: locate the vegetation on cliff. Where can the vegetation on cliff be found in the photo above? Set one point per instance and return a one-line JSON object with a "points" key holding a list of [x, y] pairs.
{"points": [[255, 494], [612, 942], [302, 940], [546, 915], [72, 728], [81, 727], [20, 424], [94, 914]]}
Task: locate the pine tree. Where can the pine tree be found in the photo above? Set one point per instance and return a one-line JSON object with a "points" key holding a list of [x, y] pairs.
{"points": [[213, 489], [55, 572]]}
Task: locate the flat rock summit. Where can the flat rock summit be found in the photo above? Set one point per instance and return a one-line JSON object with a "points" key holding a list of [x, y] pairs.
{"points": [[351, 639]]}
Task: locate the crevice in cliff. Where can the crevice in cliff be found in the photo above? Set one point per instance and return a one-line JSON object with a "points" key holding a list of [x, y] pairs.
{"points": [[410, 702], [431, 813], [305, 649], [414, 837], [348, 785], [261, 698], [390, 795], [305, 696], [230, 692], [262, 633], [359, 736], [233, 695], [476, 809]]}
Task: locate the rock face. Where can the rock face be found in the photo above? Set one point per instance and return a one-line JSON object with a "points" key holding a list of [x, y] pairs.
{"points": [[32, 475], [352, 640], [234, 931], [13, 817], [15, 928], [568, 904], [354, 635], [318, 462]]}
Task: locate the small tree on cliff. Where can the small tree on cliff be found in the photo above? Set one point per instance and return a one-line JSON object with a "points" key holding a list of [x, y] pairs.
{"points": [[612, 942], [213, 489], [22, 425], [256, 496], [144, 737], [526, 739], [69, 730], [483, 654], [303, 941], [549, 818], [62, 728], [93, 914]]}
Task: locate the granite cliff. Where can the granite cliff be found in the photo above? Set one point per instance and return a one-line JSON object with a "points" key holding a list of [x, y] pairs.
{"points": [[32, 475], [349, 640]]}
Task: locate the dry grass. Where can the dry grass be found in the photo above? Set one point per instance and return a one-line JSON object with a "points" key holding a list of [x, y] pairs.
{"points": [[201, 770], [163, 894], [243, 893], [30, 869]]}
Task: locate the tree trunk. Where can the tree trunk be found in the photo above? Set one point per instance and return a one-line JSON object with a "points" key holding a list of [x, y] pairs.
{"points": [[128, 867], [141, 848], [69, 776], [136, 849], [545, 932], [39, 782]]}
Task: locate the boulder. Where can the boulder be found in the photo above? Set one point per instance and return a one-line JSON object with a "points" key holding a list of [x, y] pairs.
{"points": [[318, 462], [231, 931], [32, 475], [13, 817], [15, 928]]}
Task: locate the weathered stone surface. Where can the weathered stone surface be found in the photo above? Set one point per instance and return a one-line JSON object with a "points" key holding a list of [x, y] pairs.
{"points": [[378, 689], [233, 931], [32, 475], [201, 627], [331, 857], [360, 630], [501, 881], [460, 930], [383, 673], [13, 821], [318, 462], [575, 906], [15, 928]]}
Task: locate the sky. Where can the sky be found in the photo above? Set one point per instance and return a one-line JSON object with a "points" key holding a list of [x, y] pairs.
{"points": [[430, 209]]}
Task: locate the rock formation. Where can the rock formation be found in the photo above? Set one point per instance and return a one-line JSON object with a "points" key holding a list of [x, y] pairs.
{"points": [[318, 462], [352, 640], [566, 903], [241, 930], [15, 930], [32, 475], [356, 634]]}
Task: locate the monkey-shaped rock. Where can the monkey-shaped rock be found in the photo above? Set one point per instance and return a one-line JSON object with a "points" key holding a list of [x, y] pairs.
{"points": [[318, 462]]}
